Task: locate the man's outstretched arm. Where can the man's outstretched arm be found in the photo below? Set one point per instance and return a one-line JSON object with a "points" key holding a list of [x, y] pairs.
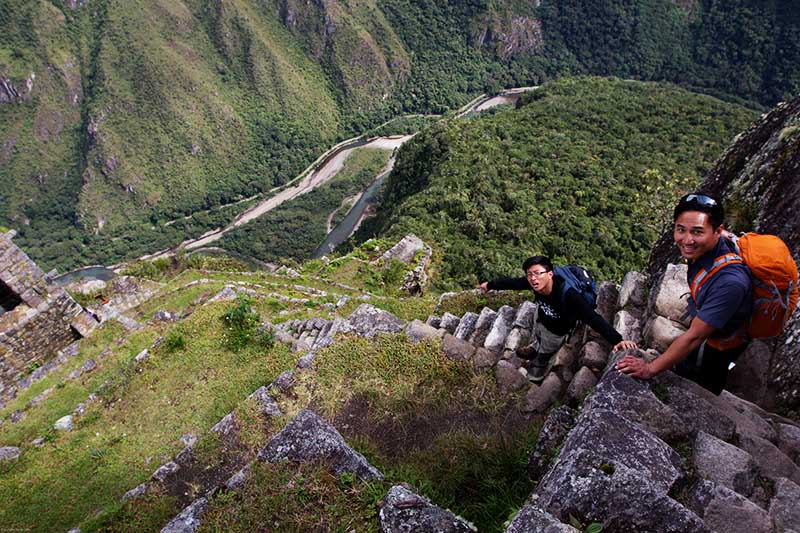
{"points": [[681, 347]]}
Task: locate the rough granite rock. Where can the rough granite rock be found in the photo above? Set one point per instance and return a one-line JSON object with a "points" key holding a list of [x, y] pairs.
{"points": [[144, 355], [633, 399], [308, 438], [509, 378], [284, 382], [525, 315], [607, 299], [539, 398], [165, 471], [659, 332], [496, 337], [585, 484], [483, 358], [306, 361], [457, 349], [8, 453], [694, 405], [367, 321], [628, 325], [784, 508], [65, 423], [482, 326], [434, 321], [516, 338], [581, 385], [267, 404], [236, 481], [633, 292], [724, 463], [189, 519], [404, 511], [226, 426], [466, 326], [749, 418], [749, 378], [770, 461], [418, 330], [789, 441], [139, 490], [670, 295], [559, 423], [594, 356], [532, 519], [449, 322], [404, 250], [725, 510]]}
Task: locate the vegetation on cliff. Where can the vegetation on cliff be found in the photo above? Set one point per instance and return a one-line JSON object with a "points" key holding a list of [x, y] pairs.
{"points": [[583, 170]]}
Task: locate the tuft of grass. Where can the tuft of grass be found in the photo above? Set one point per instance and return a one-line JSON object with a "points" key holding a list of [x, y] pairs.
{"points": [[289, 497]]}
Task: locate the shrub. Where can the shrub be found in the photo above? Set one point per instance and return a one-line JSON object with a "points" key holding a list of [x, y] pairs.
{"points": [[241, 323]]}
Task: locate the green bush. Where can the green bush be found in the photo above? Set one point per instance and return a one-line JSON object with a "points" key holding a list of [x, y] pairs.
{"points": [[241, 323]]}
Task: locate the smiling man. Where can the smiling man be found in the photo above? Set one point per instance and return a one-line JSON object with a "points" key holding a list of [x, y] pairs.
{"points": [[559, 309], [719, 302]]}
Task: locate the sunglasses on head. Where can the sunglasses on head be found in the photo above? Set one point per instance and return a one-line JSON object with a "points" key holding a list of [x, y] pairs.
{"points": [[699, 199]]}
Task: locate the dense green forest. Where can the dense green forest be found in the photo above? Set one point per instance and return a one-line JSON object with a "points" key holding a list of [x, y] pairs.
{"points": [[118, 117], [584, 170]]}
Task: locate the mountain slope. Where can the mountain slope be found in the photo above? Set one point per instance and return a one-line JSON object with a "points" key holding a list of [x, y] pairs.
{"points": [[583, 170]]}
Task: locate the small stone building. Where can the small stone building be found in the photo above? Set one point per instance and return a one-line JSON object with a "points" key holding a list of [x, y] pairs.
{"points": [[37, 317]]}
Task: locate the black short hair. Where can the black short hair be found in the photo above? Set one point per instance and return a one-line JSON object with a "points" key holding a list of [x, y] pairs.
{"points": [[705, 203], [537, 260]]}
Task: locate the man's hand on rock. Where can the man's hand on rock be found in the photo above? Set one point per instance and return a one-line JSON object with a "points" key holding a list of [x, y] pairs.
{"points": [[635, 367]]}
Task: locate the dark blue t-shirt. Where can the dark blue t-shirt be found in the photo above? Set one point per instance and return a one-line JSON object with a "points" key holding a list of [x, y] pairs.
{"points": [[724, 301]]}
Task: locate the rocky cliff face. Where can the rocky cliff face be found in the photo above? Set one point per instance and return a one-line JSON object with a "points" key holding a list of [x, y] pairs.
{"points": [[757, 179]]}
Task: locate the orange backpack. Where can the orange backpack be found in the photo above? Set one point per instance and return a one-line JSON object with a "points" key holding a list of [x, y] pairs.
{"points": [[774, 276]]}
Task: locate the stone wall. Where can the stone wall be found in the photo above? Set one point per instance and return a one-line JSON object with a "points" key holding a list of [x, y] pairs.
{"points": [[41, 319]]}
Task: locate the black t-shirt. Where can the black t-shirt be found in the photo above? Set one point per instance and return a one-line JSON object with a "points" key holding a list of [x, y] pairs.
{"points": [[558, 314]]}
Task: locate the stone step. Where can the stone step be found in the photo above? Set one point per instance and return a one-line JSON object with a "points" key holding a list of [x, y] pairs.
{"points": [[466, 326], [482, 326], [496, 337]]}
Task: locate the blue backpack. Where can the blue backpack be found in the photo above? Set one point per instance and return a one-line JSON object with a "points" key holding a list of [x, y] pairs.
{"points": [[577, 278]]}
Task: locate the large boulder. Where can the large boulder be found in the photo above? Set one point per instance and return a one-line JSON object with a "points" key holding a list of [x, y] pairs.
{"points": [[697, 408], [724, 463], [770, 461], [532, 519], [496, 337], [628, 325], [633, 292], [540, 397], [584, 485], [482, 326], [509, 378], [308, 438], [659, 332], [367, 321], [789, 441], [633, 399], [403, 511], [559, 423], [189, 519], [725, 510], [749, 378], [457, 349], [465, 326], [783, 508], [670, 295]]}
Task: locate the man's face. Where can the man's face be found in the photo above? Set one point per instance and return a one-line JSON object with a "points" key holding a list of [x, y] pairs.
{"points": [[694, 234], [539, 278]]}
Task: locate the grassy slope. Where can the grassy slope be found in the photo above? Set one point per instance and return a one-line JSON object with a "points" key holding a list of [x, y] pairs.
{"points": [[418, 416], [583, 171]]}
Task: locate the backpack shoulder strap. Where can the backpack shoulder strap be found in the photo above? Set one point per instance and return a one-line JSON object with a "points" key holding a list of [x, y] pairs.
{"points": [[704, 275]]}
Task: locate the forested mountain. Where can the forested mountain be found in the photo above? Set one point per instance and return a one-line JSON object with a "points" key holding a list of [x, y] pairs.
{"points": [[116, 117], [583, 170]]}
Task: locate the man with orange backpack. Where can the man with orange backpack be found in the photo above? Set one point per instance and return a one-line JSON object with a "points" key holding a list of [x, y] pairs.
{"points": [[741, 288]]}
